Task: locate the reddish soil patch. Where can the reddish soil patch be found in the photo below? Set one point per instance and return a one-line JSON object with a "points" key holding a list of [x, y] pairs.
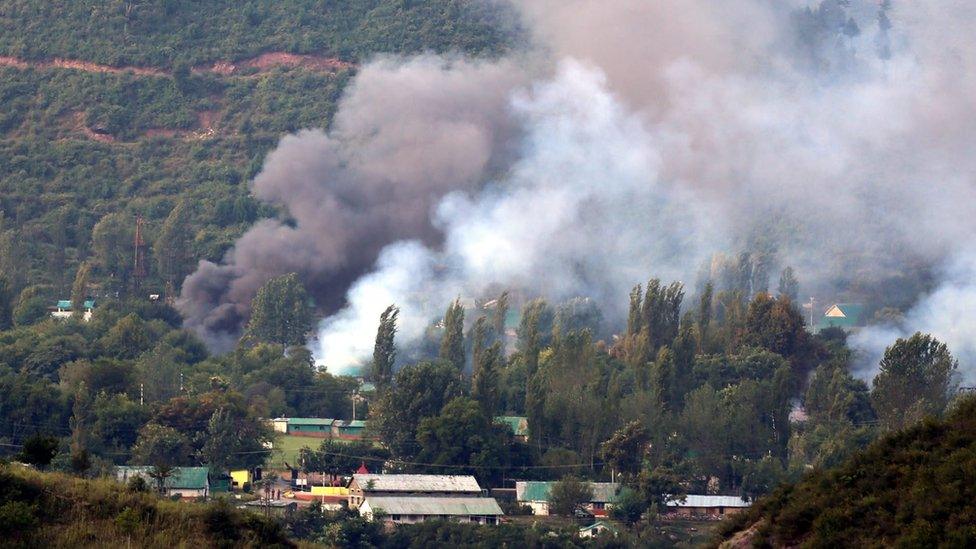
{"points": [[260, 63], [13, 62], [267, 61], [95, 67], [208, 119]]}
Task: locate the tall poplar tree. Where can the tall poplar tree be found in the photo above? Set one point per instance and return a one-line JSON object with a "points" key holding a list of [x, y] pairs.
{"points": [[172, 245], [452, 344], [280, 312], [79, 290], [384, 351]]}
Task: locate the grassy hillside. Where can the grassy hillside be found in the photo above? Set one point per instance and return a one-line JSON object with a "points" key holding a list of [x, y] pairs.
{"points": [[53, 510], [911, 489], [205, 90]]}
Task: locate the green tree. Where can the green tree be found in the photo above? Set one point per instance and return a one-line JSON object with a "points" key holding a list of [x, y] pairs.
{"points": [[384, 350], [452, 343], [159, 372], [418, 392], [629, 506], [464, 437], [39, 450], [280, 312], [485, 383], [160, 445], [660, 314], [705, 309], [128, 338], [112, 244], [789, 286], [624, 452], [342, 458], [916, 379], [499, 315], [79, 290], [31, 307], [569, 495], [660, 486], [6, 302], [172, 246], [234, 439]]}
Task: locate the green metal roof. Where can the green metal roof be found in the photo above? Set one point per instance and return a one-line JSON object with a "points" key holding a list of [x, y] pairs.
{"points": [[66, 304], [310, 421], [599, 524], [194, 478], [603, 492], [535, 491], [518, 424], [355, 424], [853, 316]]}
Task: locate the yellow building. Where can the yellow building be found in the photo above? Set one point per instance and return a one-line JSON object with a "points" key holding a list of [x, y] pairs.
{"points": [[239, 478]]}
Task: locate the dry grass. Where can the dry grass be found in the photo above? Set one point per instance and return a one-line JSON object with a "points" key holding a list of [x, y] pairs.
{"points": [[50, 509]]}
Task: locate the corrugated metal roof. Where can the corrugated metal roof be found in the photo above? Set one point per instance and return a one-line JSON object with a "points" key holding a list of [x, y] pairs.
{"points": [[417, 483], [603, 492], [710, 501], [66, 304], [195, 478], [310, 421], [434, 506]]}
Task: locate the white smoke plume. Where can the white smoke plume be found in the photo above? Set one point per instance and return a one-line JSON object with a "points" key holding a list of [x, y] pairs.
{"points": [[947, 314], [640, 139], [653, 149]]}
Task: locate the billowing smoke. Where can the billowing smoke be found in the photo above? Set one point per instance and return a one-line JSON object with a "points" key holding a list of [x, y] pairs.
{"points": [[650, 135], [406, 134], [946, 313]]}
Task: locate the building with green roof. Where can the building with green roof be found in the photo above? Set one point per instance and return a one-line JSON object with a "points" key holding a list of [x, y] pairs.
{"points": [[535, 494], [846, 316], [186, 482], [519, 426]]}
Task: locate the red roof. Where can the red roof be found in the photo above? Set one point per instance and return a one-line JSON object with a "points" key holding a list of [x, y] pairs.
{"points": [[362, 469]]}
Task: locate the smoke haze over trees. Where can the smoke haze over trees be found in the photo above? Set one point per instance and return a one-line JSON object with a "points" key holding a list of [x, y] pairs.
{"points": [[621, 138]]}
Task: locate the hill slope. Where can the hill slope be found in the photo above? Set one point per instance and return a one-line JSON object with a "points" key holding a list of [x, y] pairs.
{"points": [[53, 510], [911, 489], [126, 108]]}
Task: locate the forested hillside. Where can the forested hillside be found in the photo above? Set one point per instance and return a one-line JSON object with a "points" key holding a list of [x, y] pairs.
{"points": [[911, 489], [114, 110]]}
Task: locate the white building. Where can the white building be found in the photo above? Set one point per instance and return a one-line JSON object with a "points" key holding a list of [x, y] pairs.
{"points": [[63, 309], [413, 509], [363, 486], [703, 505]]}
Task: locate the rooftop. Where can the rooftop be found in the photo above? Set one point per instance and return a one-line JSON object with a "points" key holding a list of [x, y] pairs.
{"points": [[309, 421], [417, 483], [66, 304], [434, 506], [183, 477], [710, 501], [603, 492], [518, 424]]}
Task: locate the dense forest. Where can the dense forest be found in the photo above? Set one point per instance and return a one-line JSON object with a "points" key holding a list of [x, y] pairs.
{"points": [[85, 149], [910, 489]]}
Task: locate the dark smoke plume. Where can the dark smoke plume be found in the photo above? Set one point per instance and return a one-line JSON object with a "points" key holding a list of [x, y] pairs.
{"points": [[405, 135]]}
